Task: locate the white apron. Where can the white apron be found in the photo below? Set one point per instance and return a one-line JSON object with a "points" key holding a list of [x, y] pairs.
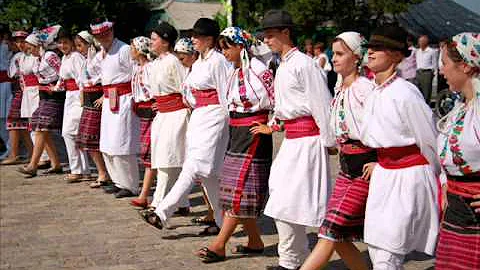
{"points": [[119, 132], [168, 139], [299, 183], [72, 113]]}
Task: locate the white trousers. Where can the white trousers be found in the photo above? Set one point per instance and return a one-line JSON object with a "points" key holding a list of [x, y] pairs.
{"points": [[77, 159], [182, 188], [166, 178], [44, 156], [123, 171], [385, 260], [292, 244]]}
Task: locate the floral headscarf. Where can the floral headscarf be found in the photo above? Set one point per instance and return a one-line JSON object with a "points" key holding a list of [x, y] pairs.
{"points": [[142, 45], [184, 45], [468, 45], [239, 36]]}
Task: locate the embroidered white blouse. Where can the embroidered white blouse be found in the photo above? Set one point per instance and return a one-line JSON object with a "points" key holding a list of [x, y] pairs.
{"points": [[253, 93]]}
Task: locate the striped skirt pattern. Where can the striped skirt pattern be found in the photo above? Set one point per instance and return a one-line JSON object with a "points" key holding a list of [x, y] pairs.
{"points": [[244, 179], [14, 120], [459, 244], [146, 141], [48, 116], [344, 221], [88, 137]]}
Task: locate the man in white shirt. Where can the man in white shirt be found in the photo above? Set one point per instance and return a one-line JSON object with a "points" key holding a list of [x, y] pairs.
{"points": [[119, 131], [427, 62]]}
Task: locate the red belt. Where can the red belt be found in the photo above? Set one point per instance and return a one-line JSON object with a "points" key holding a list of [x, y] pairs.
{"points": [[120, 88], [170, 103], [301, 127], [4, 77], [70, 85], [92, 89], [205, 97], [46, 87], [248, 121], [144, 104], [400, 157], [465, 186], [354, 147], [30, 80]]}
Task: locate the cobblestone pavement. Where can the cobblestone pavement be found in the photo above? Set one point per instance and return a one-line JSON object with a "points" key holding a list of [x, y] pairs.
{"points": [[49, 224]]}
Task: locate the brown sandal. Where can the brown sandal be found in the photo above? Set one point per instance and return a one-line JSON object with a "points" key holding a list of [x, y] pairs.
{"points": [[100, 183]]}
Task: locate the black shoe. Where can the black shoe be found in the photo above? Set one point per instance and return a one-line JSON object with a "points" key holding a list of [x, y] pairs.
{"points": [[111, 189], [122, 193], [210, 231], [278, 267], [182, 211]]}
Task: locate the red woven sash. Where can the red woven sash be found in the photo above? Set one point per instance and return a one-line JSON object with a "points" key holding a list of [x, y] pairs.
{"points": [[400, 157], [170, 103], [205, 97], [301, 127]]}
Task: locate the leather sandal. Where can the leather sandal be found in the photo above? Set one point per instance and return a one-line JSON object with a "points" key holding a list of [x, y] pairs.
{"points": [[28, 173], [209, 256], [53, 171], [151, 218], [12, 161]]}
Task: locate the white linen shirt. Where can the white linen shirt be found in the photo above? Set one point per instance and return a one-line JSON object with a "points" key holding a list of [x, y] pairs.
{"points": [[167, 75], [71, 68], [209, 72], [116, 65], [259, 89], [141, 89], [301, 90], [353, 98], [47, 68], [398, 116]]}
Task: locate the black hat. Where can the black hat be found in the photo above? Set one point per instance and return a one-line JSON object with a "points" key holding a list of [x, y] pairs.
{"points": [[206, 27], [167, 32], [389, 37], [276, 18]]}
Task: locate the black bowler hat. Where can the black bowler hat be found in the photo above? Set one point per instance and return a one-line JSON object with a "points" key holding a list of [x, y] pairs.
{"points": [[206, 27], [276, 18], [167, 32], [390, 37]]}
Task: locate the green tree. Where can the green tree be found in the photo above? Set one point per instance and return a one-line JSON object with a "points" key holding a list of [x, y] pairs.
{"points": [[249, 13]]}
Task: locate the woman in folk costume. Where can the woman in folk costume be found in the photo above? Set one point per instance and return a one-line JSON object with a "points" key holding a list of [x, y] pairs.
{"points": [[48, 116], [343, 223], [88, 136], [70, 73], [244, 180], [17, 125], [402, 212], [299, 176], [206, 137], [170, 123], [186, 53], [5, 88], [459, 150], [143, 98], [120, 127]]}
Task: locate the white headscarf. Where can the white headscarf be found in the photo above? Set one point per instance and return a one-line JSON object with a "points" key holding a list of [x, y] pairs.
{"points": [[355, 42]]}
